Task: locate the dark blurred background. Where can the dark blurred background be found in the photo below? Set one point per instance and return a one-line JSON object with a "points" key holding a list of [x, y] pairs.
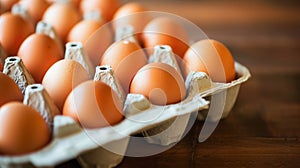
{"points": [[246, 26]]}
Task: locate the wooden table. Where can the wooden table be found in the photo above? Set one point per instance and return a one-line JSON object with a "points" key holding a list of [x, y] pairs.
{"points": [[263, 128]]}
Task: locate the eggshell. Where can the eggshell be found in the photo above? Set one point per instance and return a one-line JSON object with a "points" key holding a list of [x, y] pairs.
{"points": [[22, 129], [61, 78], [107, 8], [6, 5], [39, 52], [82, 31], [13, 31], [62, 16], [97, 43], [9, 90], [132, 14], [128, 9], [211, 57], [125, 58], [160, 83], [75, 2], [2, 57], [93, 104], [166, 31], [35, 8]]}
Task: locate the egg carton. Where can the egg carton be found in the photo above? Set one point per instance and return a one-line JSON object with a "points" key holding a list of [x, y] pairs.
{"points": [[106, 147], [90, 146]]}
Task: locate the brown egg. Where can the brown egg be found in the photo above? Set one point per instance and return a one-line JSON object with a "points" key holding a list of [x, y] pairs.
{"points": [[6, 5], [35, 8], [62, 16], [97, 43], [23, 130], [94, 35], [131, 14], [107, 8], [13, 31], [125, 58], [75, 2], [39, 52], [9, 90], [160, 83], [2, 57], [61, 78], [211, 57], [82, 31], [94, 104], [166, 31]]}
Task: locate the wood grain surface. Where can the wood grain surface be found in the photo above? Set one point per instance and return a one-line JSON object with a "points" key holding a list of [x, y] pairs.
{"points": [[263, 129]]}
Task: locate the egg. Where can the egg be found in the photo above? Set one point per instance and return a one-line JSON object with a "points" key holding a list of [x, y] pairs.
{"points": [[94, 104], [62, 16], [98, 42], [95, 37], [160, 83], [107, 8], [6, 5], [75, 2], [13, 31], [212, 57], [35, 8], [61, 78], [132, 14], [38, 53], [2, 57], [22, 129], [82, 31], [166, 31], [1, 66], [9, 90], [125, 58]]}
